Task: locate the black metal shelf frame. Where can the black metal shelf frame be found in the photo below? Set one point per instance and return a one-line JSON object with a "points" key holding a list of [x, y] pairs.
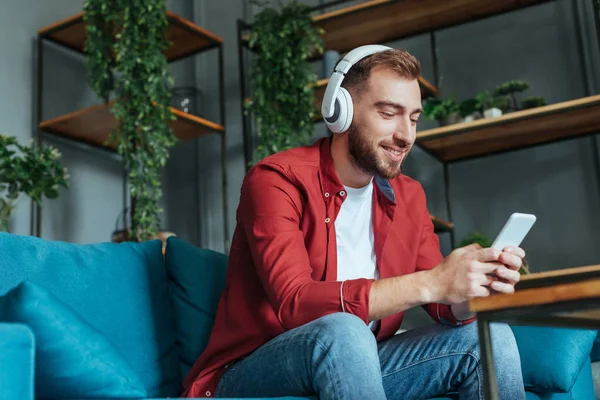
{"points": [[36, 212], [243, 26]]}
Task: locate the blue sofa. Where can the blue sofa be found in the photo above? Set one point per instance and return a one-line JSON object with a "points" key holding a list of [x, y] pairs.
{"points": [[123, 321]]}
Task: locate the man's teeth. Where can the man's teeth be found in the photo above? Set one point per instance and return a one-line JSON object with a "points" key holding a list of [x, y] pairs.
{"points": [[394, 152]]}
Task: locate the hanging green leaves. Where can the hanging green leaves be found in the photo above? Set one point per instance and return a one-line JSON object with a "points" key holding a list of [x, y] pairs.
{"points": [[129, 36], [282, 77]]}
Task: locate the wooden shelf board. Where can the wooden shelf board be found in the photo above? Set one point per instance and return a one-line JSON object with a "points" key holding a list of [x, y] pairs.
{"points": [[380, 21], [93, 125], [186, 37], [440, 225], [589, 289], [513, 130]]}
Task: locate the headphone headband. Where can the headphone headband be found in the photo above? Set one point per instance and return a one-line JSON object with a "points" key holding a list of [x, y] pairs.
{"points": [[340, 71]]}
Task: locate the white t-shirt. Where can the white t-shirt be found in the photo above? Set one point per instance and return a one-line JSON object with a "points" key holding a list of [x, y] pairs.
{"points": [[355, 238]]}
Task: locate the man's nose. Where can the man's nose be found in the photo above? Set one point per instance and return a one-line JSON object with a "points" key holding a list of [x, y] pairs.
{"points": [[405, 133]]}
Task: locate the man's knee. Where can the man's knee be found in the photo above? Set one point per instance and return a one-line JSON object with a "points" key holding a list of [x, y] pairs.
{"points": [[344, 329], [504, 345]]}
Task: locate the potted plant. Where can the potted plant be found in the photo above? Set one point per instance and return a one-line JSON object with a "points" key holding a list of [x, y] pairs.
{"points": [[485, 241], [447, 111], [469, 111], [282, 77], [32, 170], [532, 102], [510, 89], [131, 39], [489, 105]]}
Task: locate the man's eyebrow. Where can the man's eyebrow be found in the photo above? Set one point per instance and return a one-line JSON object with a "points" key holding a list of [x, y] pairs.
{"points": [[397, 106]]}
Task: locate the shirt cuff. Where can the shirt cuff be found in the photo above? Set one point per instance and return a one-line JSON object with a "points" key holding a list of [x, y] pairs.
{"points": [[446, 317]]}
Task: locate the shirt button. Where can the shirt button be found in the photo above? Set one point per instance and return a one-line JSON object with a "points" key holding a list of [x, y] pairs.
{"points": [[342, 193], [326, 194], [208, 393], [327, 220]]}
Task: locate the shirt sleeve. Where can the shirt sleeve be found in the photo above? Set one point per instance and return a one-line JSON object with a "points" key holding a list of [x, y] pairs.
{"points": [[270, 212], [430, 256]]}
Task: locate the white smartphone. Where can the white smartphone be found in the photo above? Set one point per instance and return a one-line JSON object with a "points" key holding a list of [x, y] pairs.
{"points": [[514, 230]]}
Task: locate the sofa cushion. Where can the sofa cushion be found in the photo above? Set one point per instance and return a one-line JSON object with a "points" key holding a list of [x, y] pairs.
{"points": [[551, 358], [120, 290], [197, 278], [72, 359]]}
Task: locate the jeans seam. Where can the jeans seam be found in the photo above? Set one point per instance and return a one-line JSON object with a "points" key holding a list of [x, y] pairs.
{"points": [[429, 359], [330, 368]]}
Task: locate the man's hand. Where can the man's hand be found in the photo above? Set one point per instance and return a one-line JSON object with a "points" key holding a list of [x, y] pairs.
{"points": [[473, 271]]}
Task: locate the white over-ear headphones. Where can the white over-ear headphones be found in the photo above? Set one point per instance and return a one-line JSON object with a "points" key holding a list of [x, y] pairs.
{"points": [[337, 109]]}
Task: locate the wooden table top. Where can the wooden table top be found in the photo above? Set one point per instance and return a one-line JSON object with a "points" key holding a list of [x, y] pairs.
{"points": [[546, 288]]}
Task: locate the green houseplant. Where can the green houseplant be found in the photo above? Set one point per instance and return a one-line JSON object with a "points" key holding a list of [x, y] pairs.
{"points": [[532, 102], [32, 170], [445, 111], [510, 89], [282, 77], [129, 36]]}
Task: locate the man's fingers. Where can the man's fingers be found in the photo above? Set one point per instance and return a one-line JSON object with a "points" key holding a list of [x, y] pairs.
{"points": [[502, 287], [486, 267], [488, 254], [509, 275], [519, 252], [512, 261], [481, 291]]}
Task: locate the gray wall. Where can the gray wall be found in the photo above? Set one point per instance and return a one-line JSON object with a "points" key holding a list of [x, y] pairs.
{"points": [[85, 213], [538, 44]]}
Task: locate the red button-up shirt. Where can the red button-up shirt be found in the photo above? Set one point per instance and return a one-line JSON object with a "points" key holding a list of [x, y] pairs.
{"points": [[282, 267]]}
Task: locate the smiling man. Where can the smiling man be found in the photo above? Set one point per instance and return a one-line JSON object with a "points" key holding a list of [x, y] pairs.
{"points": [[333, 243]]}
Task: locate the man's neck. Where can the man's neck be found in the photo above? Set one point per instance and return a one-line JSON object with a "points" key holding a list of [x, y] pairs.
{"points": [[347, 171]]}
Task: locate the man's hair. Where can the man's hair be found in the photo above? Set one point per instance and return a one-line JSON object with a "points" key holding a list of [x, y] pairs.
{"points": [[397, 60]]}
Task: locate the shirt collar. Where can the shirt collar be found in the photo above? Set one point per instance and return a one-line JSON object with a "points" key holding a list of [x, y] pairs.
{"points": [[331, 182]]}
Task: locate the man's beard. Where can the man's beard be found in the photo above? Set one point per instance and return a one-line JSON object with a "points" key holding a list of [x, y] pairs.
{"points": [[364, 154]]}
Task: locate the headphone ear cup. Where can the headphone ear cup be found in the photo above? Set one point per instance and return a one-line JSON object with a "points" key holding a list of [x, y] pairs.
{"points": [[348, 110], [342, 114]]}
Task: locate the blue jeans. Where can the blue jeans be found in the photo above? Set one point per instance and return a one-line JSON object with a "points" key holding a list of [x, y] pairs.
{"points": [[337, 357]]}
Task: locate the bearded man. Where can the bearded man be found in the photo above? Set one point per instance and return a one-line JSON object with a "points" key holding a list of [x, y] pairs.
{"points": [[332, 245]]}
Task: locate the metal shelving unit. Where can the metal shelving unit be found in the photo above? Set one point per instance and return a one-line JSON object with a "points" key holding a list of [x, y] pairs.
{"points": [[93, 125], [381, 21]]}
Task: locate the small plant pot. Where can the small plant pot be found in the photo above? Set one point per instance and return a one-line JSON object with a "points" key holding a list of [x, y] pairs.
{"points": [[451, 119], [473, 117], [492, 113]]}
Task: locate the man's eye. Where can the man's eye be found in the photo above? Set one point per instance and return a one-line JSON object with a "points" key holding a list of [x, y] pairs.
{"points": [[387, 114]]}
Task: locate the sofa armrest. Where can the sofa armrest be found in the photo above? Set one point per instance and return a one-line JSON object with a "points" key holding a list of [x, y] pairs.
{"points": [[551, 358], [17, 361]]}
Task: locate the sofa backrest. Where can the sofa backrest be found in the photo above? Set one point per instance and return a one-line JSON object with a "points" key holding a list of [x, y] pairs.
{"points": [[196, 279], [121, 290]]}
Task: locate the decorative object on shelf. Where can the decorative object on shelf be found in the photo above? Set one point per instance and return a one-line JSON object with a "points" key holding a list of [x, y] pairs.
{"points": [[532, 102], [121, 235], [469, 111], [485, 241], [447, 112], [510, 90], [489, 105], [188, 99], [35, 171], [282, 77], [131, 39]]}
